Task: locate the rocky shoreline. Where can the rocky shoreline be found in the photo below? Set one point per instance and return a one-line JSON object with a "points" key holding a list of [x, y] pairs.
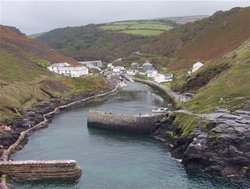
{"points": [[219, 144], [15, 136]]}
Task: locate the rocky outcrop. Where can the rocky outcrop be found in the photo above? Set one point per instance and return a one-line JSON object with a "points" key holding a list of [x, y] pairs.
{"points": [[7, 137], [124, 123], [224, 149], [38, 170], [220, 145]]}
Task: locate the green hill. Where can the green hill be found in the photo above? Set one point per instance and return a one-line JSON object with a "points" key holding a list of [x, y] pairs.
{"points": [[104, 41], [209, 40], [24, 79], [92, 42], [221, 42], [230, 88], [204, 39]]}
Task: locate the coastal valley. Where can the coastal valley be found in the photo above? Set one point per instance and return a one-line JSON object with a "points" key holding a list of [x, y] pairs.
{"points": [[198, 67]]}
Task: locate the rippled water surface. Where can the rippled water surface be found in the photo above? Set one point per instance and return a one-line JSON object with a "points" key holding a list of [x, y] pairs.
{"points": [[113, 160]]}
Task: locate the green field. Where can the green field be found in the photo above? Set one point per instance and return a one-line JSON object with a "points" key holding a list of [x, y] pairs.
{"points": [[141, 27]]}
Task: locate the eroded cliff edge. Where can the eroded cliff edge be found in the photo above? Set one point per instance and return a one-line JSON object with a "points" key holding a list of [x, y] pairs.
{"points": [[216, 143]]}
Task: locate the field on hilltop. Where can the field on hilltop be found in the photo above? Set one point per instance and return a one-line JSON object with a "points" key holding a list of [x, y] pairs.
{"points": [[139, 27]]}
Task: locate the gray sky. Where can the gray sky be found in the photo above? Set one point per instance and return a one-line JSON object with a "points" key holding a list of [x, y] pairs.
{"points": [[39, 16]]}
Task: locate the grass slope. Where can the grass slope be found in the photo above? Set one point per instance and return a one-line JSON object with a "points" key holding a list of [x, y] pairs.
{"points": [[204, 39], [24, 79], [230, 89]]}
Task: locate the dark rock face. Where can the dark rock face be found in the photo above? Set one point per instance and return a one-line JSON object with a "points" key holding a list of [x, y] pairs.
{"points": [[225, 149], [220, 148], [7, 137]]}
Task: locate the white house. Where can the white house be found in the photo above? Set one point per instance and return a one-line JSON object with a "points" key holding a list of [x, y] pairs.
{"points": [[74, 71], [132, 72], [118, 69], [67, 70], [110, 66], [169, 77], [151, 73], [142, 73], [196, 66], [54, 67], [160, 78]]}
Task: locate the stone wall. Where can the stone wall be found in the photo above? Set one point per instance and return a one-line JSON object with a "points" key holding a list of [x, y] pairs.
{"points": [[38, 170], [124, 123]]}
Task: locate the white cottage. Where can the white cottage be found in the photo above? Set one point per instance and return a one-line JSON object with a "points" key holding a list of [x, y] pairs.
{"points": [[151, 73], [196, 66], [110, 66], [118, 69], [74, 71], [169, 77], [65, 69], [132, 72], [160, 78], [54, 67]]}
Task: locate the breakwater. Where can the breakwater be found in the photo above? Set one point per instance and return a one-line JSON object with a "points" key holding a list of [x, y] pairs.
{"points": [[124, 123], [38, 170]]}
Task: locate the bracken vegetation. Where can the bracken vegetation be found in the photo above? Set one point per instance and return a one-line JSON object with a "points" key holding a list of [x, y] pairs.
{"points": [[24, 79]]}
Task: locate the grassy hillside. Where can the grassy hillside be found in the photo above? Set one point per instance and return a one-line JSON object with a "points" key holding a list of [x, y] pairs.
{"points": [[92, 42], [221, 42], [104, 41], [24, 79], [217, 41], [205, 39], [139, 27], [229, 89]]}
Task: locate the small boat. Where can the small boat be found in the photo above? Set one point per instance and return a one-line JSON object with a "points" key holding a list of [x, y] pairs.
{"points": [[160, 110]]}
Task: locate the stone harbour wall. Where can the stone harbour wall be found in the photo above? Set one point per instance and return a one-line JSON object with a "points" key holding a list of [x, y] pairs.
{"points": [[38, 170], [124, 123]]}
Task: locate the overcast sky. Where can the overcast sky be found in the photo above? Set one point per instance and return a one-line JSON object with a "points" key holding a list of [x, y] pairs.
{"points": [[39, 16]]}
